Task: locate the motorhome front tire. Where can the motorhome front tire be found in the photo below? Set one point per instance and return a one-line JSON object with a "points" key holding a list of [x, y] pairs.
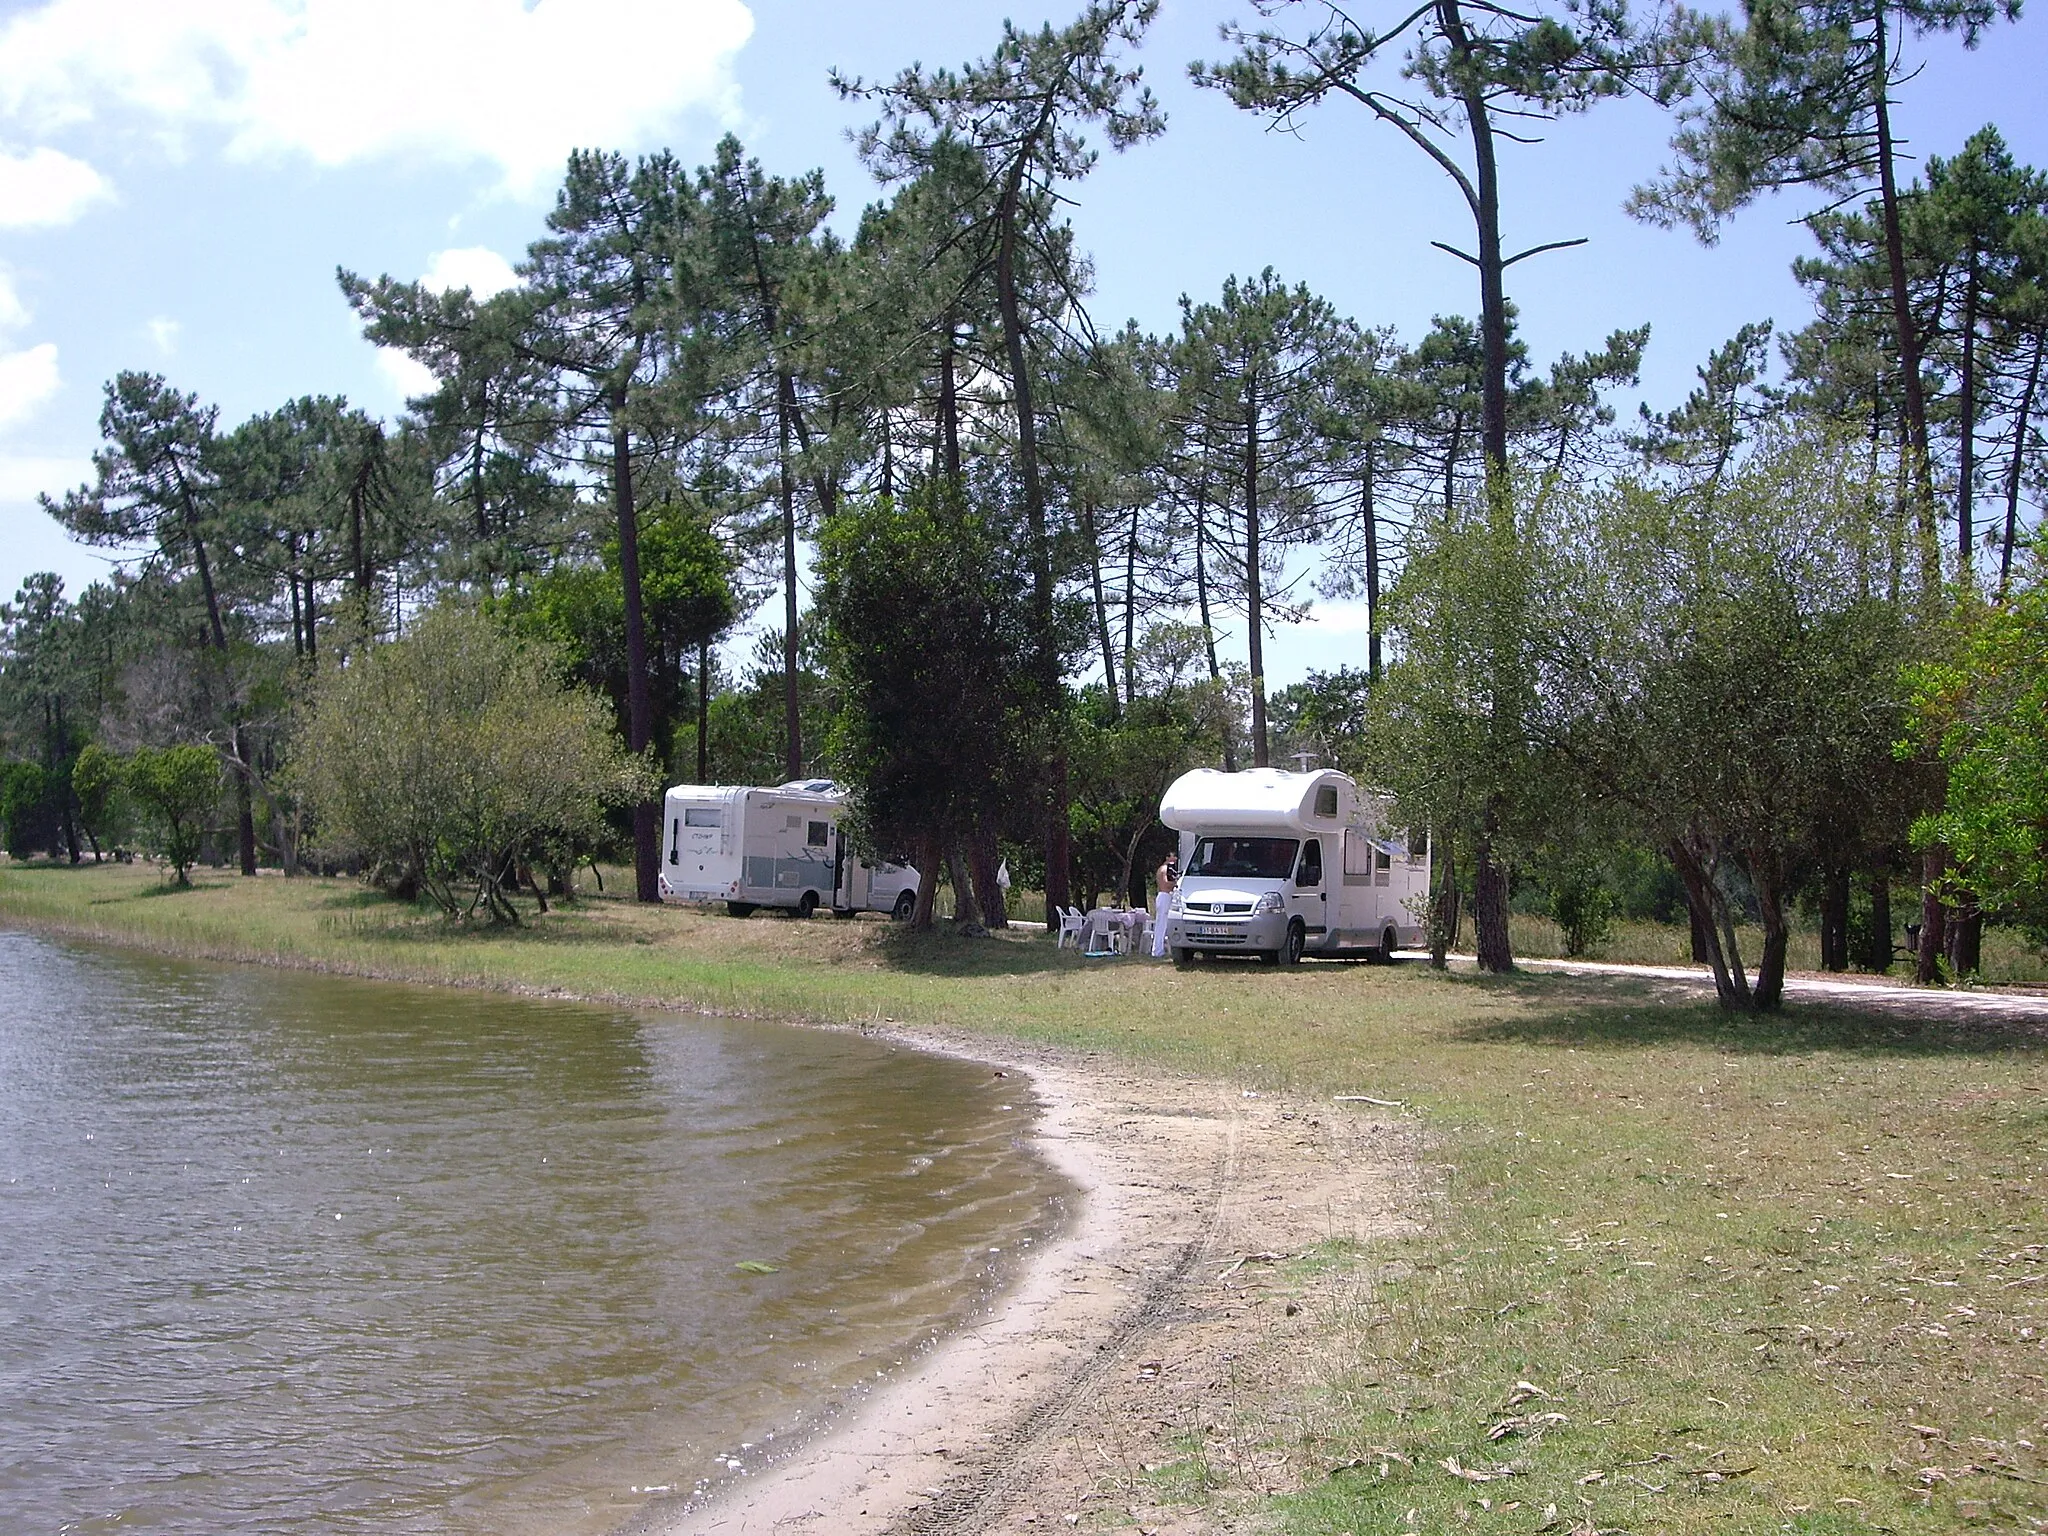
{"points": [[806, 905], [906, 905], [1293, 944]]}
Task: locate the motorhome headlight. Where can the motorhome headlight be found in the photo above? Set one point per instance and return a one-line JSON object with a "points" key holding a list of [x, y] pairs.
{"points": [[1270, 902]]}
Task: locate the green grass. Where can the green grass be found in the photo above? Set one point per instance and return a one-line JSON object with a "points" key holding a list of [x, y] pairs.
{"points": [[1782, 1274]]}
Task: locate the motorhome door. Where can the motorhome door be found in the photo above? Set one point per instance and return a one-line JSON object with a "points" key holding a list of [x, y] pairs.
{"points": [[1308, 896]]}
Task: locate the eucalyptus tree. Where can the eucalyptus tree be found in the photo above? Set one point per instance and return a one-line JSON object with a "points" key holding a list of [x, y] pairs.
{"points": [[1021, 113], [1259, 366]]}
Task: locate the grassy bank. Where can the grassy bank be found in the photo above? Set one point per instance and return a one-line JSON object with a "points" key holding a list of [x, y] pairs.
{"points": [[1759, 1276]]}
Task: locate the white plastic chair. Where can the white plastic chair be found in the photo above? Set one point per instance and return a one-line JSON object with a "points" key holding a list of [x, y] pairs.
{"points": [[1071, 923]]}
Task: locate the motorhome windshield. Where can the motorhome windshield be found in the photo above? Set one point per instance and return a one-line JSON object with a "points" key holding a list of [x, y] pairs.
{"points": [[1244, 858]]}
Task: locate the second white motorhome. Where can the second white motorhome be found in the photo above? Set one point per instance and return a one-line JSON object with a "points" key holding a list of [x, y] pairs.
{"points": [[1283, 865], [780, 847]]}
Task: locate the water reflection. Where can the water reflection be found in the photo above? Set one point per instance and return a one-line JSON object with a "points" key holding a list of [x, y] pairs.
{"points": [[286, 1251]]}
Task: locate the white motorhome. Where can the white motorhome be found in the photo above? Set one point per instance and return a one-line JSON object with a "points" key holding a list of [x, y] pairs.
{"points": [[777, 847], [1283, 865]]}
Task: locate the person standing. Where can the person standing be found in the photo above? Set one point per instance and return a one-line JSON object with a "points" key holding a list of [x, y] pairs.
{"points": [[1165, 882]]}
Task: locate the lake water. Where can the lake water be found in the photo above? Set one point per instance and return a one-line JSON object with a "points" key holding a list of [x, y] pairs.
{"points": [[290, 1253]]}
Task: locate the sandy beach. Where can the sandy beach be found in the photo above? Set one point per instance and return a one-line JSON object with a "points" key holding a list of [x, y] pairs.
{"points": [[1161, 1322]]}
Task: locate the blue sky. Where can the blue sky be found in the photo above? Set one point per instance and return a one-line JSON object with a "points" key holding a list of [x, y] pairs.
{"points": [[180, 178]]}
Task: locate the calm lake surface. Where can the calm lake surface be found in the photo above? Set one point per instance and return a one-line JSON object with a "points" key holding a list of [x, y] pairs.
{"points": [[298, 1254]]}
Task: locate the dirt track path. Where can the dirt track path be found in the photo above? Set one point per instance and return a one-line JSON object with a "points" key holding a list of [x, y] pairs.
{"points": [[1874, 992]]}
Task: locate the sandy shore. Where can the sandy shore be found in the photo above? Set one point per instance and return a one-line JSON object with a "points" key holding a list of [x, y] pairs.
{"points": [[1156, 1331]]}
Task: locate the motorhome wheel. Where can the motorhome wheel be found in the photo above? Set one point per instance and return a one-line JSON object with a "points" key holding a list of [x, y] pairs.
{"points": [[806, 904], [1183, 957], [1389, 942], [739, 909], [1292, 946], [906, 904]]}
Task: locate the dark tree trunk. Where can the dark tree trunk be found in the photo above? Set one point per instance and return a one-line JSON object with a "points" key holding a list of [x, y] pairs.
{"points": [[1834, 920], [964, 905], [639, 702], [1490, 910], [1933, 917], [1490, 885], [1051, 686], [929, 857], [1710, 916], [1446, 916], [245, 814], [1202, 605], [1131, 613], [703, 711], [1702, 935], [1090, 533], [1254, 618], [1770, 966], [1911, 388], [1966, 937], [1966, 427], [1879, 960], [1369, 513], [949, 413], [983, 863], [2016, 472], [792, 718]]}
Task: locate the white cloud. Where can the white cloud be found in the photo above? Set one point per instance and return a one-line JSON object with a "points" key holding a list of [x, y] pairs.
{"points": [[46, 187], [1339, 618], [476, 267], [510, 83], [408, 379], [25, 477], [27, 379], [163, 332], [13, 314]]}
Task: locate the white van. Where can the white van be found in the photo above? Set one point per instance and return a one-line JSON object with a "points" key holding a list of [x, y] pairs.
{"points": [[1283, 864], [776, 847]]}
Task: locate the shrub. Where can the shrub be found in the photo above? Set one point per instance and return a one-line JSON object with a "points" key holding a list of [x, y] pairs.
{"points": [[454, 758]]}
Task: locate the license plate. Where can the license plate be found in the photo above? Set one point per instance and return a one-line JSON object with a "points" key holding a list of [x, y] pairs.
{"points": [[1212, 933]]}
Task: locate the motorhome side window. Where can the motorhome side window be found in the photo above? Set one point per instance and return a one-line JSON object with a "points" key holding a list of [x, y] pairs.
{"points": [[1244, 858], [814, 835], [1311, 871], [1326, 804], [708, 817]]}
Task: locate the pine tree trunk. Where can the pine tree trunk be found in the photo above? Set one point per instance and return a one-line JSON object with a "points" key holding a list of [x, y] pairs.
{"points": [[1911, 386], [2016, 472], [1088, 532], [1878, 960], [1834, 920], [1131, 614], [792, 717], [1051, 685], [1370, 514], [1254, 618], [639, 702], [1933, 917], [703, 711], [1966, 428]]}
